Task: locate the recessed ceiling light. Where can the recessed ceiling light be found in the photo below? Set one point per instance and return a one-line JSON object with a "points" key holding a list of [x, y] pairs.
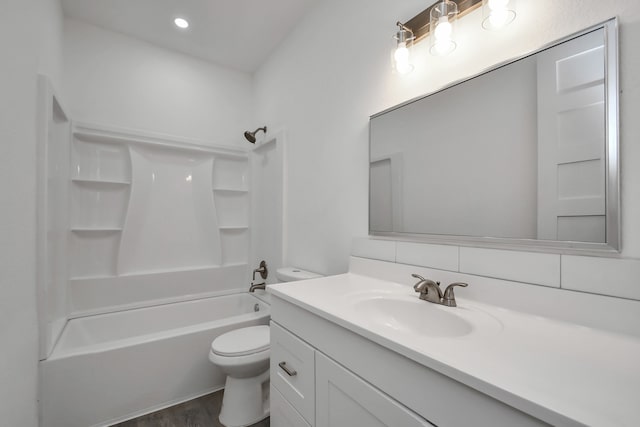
{"points": [[181, 23]]}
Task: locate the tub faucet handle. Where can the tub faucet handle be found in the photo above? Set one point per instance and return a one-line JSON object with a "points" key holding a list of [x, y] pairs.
{"points": [[262, 269]]}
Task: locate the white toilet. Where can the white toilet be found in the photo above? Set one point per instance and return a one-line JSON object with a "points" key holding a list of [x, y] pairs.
{"points": [[243, 355]]}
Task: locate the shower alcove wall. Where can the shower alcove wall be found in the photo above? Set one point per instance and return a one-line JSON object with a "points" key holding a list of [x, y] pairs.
{"points": [[153, 220]]}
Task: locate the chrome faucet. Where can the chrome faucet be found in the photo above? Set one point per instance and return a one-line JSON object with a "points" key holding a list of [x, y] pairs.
{"points": [[430, 291], [253, 287]]}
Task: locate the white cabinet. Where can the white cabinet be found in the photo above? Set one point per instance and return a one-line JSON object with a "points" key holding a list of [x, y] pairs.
{"points": [[282, 413], [309, 389], [344, 400]]}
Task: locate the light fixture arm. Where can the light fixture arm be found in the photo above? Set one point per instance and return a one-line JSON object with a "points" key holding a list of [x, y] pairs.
{"points": [[404, 33]]}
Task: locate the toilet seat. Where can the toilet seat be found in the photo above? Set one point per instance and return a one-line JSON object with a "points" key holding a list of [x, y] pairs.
{"points": [[242, 342]]}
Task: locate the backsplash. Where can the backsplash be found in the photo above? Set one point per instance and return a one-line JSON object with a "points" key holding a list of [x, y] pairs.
{"points": [[594, 291]]}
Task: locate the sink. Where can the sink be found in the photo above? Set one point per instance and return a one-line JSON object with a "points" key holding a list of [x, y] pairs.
{"points": [[416, 317]]}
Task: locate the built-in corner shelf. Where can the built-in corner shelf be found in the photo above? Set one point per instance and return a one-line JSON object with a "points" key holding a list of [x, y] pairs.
{"points": [[95, 229], [97, 181], [231, 190]]}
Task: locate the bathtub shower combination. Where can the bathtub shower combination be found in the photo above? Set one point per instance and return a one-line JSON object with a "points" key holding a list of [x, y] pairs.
{"points": [[143, 261]]}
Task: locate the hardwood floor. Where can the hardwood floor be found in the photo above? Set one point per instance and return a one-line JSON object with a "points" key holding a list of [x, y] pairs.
{"points": [[200, 412]]}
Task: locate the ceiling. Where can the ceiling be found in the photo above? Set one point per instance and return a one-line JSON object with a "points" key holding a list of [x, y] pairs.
{"points": [[239, 34]]}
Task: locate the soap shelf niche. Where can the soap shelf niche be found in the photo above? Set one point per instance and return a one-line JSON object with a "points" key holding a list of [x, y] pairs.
{"points": [[235, 245], [231, 173], [232, 208], [100, 190], [98, 204], [93, 252], [231, 196]]}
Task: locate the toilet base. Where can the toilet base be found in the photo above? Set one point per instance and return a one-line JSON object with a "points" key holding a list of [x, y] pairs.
{"points": [[245, 400]]}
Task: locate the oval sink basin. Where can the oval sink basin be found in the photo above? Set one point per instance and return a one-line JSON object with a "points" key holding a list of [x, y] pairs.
{"points": [[421, 318]]}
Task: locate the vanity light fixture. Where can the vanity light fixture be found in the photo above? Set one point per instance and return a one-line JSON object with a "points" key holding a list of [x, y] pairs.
{"points": [[438, 22], [442, 20], [497, 14], [181, 23], [402, 54]]}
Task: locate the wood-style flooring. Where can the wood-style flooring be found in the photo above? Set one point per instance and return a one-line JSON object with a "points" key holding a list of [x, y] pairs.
{"points": [[200, 412]]}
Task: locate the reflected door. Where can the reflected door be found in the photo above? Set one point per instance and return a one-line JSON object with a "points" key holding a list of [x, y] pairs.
{"points": [[571, 141]]}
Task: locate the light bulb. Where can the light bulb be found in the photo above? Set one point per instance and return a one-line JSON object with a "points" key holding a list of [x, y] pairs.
{"points": [[498, 14], [401, 57], [443, 29]]}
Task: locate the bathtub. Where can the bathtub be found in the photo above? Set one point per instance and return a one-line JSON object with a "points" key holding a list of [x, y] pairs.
{"points": [[111, 367]]}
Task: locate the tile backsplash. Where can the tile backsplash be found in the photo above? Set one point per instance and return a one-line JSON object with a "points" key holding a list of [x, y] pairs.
{"points": [[615, 277]]}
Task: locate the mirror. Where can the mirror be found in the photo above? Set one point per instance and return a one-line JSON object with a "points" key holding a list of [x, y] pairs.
{"points": [[525, 153]]}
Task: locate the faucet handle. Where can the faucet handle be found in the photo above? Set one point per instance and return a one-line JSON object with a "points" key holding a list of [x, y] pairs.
{"points": [[449, 299], [417, 285]]}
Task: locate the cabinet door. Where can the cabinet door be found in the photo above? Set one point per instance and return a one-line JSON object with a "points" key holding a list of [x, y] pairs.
{"points": [[282, 413], [345, 400]]}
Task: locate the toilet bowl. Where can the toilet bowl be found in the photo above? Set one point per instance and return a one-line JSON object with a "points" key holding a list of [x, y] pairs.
{"points": [[243, 355]]}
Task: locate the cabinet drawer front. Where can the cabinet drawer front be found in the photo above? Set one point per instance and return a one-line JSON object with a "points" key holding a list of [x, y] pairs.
{"points": [[282, 413], [292, 371], [344, 399]]}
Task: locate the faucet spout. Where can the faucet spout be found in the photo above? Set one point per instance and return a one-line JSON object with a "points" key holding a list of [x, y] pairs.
{"points": [[253, 287], [429, 290]]}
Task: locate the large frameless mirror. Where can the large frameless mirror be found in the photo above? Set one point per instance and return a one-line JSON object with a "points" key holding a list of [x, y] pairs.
{"points": [[523, 154]]}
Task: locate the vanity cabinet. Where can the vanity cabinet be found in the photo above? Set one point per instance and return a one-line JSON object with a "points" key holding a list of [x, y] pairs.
{"points": [[310, 389], [338, 377], [343, 399]]}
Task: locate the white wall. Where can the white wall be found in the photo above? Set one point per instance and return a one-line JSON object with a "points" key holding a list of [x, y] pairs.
{"points": [[29, 40], [117, 80], [324, 82]]}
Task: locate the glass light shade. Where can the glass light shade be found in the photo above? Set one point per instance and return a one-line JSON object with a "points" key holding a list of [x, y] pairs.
{"points": [[441, 27], [401, 55], [497, 14]]}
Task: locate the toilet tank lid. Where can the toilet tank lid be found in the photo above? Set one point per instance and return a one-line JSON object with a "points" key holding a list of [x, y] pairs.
{"points": [[290, 274]]}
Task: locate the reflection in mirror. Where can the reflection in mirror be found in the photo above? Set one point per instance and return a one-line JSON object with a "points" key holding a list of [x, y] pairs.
{"points": [[526, 151]]}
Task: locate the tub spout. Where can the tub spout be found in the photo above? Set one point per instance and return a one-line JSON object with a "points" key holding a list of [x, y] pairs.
{"points": [[253, 287]]}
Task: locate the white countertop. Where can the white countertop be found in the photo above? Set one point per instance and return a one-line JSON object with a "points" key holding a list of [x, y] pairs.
{"points": [[561, 373]]}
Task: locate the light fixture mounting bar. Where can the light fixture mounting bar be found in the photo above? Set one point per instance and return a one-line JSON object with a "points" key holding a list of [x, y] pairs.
{"points": [[419, 24]]}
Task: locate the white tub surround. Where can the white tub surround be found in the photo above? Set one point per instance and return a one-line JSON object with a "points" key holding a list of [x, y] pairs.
{"points": [[154, 218], [111, 367], [507, 368]]}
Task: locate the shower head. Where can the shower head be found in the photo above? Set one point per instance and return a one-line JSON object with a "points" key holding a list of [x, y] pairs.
{"points": [[251, 136]]}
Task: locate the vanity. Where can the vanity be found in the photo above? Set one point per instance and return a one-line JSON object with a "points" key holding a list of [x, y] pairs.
{"points": [[354, 350]]}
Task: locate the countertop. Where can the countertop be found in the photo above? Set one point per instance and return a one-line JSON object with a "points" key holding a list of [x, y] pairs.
{"points": [[561, 373]]}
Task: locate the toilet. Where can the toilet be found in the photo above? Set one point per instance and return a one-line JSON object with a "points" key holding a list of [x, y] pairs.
{"points": [[243, 355]]}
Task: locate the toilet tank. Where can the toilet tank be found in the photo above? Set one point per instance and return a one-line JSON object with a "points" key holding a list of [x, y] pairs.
{"points": [[292, 274]]}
